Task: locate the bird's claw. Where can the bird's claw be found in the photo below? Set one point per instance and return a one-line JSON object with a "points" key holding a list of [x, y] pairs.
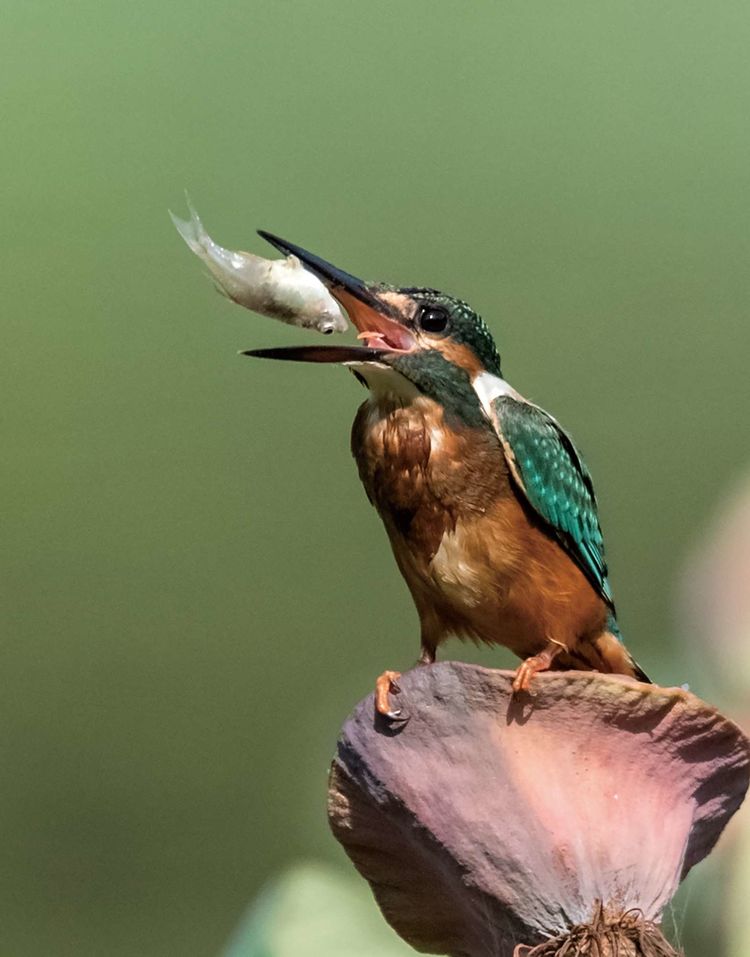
{"points": [[532, 666], [522, 679], [385, 685]]}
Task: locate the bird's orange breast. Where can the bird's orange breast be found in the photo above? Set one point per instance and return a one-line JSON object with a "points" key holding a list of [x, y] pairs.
{"points": [[477, 561], [422, 473]]}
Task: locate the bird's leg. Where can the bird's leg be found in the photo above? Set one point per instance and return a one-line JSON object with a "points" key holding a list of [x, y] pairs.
{"points": [[541, 662], [384, 685], [427, 654]]}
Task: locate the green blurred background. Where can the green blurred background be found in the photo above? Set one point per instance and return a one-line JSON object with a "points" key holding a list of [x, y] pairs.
{"points": [[196, 591]]}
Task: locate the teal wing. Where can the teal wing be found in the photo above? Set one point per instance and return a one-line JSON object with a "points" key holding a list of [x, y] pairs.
{"points": [[556, 483]]}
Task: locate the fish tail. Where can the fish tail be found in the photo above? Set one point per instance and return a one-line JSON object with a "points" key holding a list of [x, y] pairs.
{"points": [[192, 230]]}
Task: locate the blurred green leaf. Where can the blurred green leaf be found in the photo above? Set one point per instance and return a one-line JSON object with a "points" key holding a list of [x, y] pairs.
{"points": [[314, 910]]}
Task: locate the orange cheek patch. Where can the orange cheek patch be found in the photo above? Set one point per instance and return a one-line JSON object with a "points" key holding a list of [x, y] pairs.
{"points": [[459, 355]]}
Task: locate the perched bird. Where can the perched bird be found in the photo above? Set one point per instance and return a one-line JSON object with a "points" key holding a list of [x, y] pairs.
{"points": [[487, 503]]}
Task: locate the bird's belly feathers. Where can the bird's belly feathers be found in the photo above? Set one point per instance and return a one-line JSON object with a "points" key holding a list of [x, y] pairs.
{"points": [[476, 561]]}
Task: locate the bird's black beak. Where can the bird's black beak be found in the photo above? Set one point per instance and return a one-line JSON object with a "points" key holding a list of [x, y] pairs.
{"points": [[318, 353], [373, 317]]}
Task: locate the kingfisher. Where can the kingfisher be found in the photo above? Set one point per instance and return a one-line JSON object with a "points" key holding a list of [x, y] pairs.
{"points": [[488, 505]]}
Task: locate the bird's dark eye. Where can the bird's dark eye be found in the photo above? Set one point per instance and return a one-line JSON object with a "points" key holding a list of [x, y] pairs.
{"points": [[433, 319]]}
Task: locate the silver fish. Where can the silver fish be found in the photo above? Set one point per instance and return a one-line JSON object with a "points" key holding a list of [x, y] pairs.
{"points": [[279, 288]]}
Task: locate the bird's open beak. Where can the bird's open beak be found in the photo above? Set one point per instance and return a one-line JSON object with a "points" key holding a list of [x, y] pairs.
{"points": [[373, 317]]}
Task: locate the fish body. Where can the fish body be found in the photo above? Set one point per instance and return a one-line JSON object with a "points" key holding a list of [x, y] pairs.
{"points": [[278, 288]]}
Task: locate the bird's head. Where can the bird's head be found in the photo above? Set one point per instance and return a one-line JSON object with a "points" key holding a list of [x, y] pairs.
{"points": [[413, 338]]}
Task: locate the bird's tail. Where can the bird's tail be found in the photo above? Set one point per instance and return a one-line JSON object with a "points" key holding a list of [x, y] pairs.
{"points": [[639, 673], [614, 629]]}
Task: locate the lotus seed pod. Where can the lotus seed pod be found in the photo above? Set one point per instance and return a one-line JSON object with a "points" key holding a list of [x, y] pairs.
{"points": [[488, 823]]}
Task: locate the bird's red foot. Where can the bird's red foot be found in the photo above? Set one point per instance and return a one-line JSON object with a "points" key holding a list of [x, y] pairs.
{"points": [[386, 684], [541, 662]]}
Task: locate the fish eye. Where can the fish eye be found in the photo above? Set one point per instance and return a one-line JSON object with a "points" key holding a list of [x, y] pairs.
{"points": [[433, 319]]}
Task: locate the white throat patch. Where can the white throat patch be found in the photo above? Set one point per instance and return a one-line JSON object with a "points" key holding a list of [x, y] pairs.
{"points": [[384, 382], [489, 387]]}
